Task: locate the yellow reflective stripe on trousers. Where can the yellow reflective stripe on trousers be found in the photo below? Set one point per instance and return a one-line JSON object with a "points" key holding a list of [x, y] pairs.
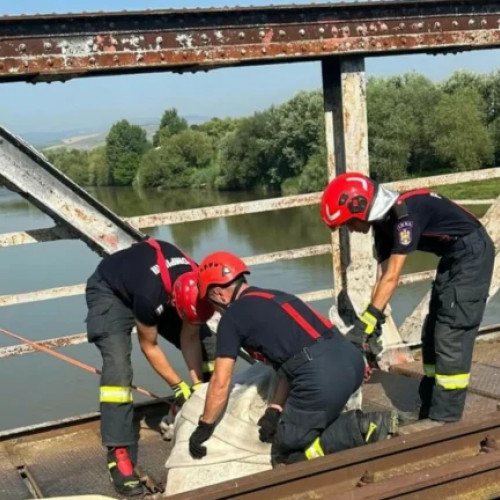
{"points": [[315, 450], [208, 366], [115, 394], [460, 381], [430, 370]]}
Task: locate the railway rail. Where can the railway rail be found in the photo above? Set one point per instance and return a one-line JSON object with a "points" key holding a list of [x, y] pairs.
{"points": [[459, 460]]}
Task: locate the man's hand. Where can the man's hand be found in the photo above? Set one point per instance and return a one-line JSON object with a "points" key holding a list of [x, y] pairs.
{"points": [[182, 393], [268, 424], [367, 330], [199, 436]]}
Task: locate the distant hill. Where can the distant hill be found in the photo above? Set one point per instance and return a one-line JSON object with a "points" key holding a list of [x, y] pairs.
{"points": [[87, 138]]}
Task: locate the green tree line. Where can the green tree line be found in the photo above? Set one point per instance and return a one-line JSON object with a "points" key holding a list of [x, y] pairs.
{"points": [[416, 127]]}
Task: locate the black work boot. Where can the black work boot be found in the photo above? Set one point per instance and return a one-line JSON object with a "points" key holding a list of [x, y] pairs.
{"points": [[378, 425], [122, 474]]}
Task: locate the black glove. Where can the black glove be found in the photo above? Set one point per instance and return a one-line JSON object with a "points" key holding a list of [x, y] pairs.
{"points": [[374, 343], [268, 424], [182, 393], [198, 437], [367, 330]]}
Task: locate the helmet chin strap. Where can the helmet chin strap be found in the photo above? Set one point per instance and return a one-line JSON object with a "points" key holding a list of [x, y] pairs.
{"points": [[231, 300]]}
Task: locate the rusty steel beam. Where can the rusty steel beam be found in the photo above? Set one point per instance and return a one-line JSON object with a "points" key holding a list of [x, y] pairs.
{"points": [[59, 47], [27, 172]]}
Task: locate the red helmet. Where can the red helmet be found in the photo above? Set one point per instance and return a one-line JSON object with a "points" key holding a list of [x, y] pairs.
{"points": [[348, 196], [219, 268], [187, 301]]}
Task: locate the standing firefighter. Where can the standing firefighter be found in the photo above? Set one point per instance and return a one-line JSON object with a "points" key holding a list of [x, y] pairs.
{"points": [[318, 369], [403, 223], [140, 286]]}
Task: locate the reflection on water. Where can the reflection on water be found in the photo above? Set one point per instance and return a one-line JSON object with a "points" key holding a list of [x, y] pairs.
{"points": [[44, 388]]}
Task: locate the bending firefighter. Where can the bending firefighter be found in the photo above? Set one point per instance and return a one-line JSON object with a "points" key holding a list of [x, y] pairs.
{"points": [[421, 220], [318, 369], [139, 286]]}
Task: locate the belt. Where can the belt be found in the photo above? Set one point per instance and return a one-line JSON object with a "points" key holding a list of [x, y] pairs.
{"points": [[306, 354]]}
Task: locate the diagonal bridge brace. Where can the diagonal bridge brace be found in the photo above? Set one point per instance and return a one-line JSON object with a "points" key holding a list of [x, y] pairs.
{"points": [[76, 213]]}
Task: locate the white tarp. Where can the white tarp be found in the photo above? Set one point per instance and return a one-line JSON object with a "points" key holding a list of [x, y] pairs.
{"points": [[234, 450]]}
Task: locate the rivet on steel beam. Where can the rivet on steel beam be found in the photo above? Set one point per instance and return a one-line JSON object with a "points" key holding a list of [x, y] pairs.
{"points": [[69, 62], [384, 27], [323, 47], [92, 60], [22, 47], [439, 39], [26, 64], [243, 52], [159, 40], [222, 53], [402, 26], [264, 50], [303, 48], [162, 56], [346, 31], [184, 55], [362, 30], [90, 43], [50, 62], [484, 23], [282, 33], [321, 30], [47, 45], [334, 31], [373, 27], [241, 35], [262, 34], [437, 25], [116, 58], [403, 41], [65, 44], [302, 32], [140, 57], [454, 24], [471, 22], [204, 38]]}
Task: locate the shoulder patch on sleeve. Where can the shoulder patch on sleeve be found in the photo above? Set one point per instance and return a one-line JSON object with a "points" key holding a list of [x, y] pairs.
{"points": [[405, 232]]}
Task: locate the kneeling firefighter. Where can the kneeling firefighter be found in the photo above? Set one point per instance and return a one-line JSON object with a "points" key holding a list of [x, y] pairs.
{"points": [[318, 368], [152, 286]]}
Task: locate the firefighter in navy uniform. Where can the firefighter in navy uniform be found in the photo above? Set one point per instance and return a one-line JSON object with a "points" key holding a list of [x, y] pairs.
{"points": [[318, 369], [421, 220], [152, 286]]}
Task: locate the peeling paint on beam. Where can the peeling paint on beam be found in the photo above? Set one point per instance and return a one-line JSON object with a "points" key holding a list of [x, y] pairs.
{"points": [[445, 180], [47, 294], [60, 47], [17, 350], [25, 237], [250, 207]]}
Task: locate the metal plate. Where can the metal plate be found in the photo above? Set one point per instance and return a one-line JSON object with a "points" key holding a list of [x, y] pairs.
{"points": [[11, 484]]}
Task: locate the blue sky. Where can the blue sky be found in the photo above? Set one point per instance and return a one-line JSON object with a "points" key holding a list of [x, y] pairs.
{"points": [[95, 103]]}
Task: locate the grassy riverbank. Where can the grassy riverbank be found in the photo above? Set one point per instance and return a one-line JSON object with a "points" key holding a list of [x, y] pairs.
{"points": [[471, 190]]}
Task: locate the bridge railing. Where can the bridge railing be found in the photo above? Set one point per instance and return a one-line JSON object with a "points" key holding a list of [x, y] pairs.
{"points": [[200, 214]]}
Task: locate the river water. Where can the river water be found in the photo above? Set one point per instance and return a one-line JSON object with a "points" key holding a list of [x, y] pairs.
{"points": [[36, 387]]}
